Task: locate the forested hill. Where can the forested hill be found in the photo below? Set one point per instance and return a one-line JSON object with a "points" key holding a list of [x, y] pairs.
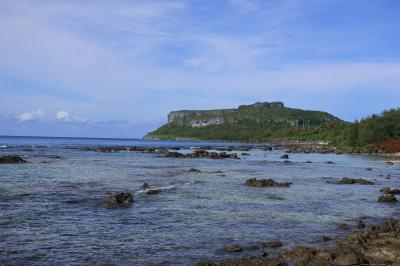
{"points": [[266, 122], [259, 122]]}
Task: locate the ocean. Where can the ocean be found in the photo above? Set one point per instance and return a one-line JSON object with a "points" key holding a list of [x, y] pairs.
{"points": [[53, 208]]}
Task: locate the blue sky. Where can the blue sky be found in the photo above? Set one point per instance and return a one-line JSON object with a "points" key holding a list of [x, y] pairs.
{"points": [[116, 68]]}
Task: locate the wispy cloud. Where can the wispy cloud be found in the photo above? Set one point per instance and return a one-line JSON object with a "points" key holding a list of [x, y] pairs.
{"points": [[137, 60]]}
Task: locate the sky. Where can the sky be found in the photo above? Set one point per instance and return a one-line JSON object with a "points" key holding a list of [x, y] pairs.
{"points": [[116, 68]]}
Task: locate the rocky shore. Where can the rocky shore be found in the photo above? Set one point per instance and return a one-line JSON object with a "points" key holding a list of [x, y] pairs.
{"points": [[372, 245]]}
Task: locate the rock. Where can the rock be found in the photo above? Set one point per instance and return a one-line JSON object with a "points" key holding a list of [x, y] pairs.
{"points": [[350, 181], [123, 199], [323, 239], [368, 169], [203, 154], [272, 244], [329, 162], [387, 198], [145, 186], [233, 248], [360, 224], [175, 154], [194, 170], [221, 175], [11, 159], [308, 162], [285, 156], [377, 246], [253, 261], [390, 163], [387, 190], [344, 227], [245, 154], [266, 183]]}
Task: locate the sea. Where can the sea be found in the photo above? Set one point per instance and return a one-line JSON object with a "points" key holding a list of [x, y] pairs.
{"points": [[53, 209]]}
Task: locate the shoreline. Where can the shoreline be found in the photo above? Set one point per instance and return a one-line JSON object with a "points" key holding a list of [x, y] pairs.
{"points": [[368, 245]]}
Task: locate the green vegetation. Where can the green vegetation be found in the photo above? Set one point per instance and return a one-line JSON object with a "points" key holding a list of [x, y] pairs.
{"points": [[263, 124], [371, 130]]}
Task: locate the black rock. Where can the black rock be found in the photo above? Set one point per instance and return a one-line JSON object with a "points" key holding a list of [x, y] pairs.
{"points": [[123, 199], [11, 159]]}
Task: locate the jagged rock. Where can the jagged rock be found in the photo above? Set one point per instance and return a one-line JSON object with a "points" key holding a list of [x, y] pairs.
{"points": [[123, 199], [285, 156], [11, 159], [379, 245], [254, 182], [350, 181], [387, 198]]}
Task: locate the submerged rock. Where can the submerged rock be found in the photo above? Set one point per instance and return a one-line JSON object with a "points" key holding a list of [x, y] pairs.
{"points": [[123, 199], [387, 198], [350, 181], [11, 159], [285, 156], [194, 170], [272, 244], [323, 239], [254, 182], [233, 248]]}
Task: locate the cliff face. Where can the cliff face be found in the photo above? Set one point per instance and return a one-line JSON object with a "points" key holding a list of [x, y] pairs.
{"points": [[201, 118]]}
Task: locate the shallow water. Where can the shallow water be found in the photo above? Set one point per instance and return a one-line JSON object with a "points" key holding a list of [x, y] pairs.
{"points": [[53, 210]]}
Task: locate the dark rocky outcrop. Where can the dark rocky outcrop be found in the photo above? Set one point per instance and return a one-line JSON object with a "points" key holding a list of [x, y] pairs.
{"points": [[387, 198], [285, 156], [351, 181], [11, 159], [123, 199], [376, 245], [254, 182]]}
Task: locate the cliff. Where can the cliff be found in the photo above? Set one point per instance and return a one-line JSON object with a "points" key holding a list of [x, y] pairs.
{"points": [[262, 121]]}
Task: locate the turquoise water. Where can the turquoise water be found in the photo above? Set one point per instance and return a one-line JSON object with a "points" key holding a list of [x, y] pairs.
{"points": [[53, 210]]}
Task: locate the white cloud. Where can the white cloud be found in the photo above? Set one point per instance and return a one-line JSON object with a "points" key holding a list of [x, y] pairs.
{"points": [[27, 116], [62, 115]]}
